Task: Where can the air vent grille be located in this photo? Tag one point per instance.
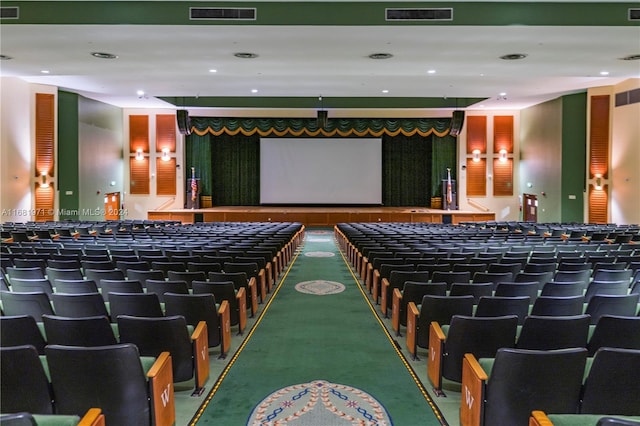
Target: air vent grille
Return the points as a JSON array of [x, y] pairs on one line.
[[629, 97], [222, 13], [634, 14], [440, 14], [9, 12]]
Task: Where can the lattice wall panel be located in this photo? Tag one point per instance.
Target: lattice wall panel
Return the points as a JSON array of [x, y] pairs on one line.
[[44, 196], [166, 132], [503, 177], [139, 133], [599, 136], [139, 176], [598, 204], [166, 177], [477, 178], [45, 131], [477, 133], [503, 133]]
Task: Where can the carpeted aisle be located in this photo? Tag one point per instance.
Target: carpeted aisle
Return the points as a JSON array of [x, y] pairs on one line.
[[319, 360]]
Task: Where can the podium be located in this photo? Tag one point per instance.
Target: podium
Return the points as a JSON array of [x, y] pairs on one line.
[[192, 194], [453, 205]]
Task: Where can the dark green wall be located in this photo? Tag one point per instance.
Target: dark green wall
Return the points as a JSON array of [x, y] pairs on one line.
[[68, 143], [574, 156]]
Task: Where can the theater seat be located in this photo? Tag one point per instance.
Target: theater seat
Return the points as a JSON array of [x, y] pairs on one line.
[[24, 385]]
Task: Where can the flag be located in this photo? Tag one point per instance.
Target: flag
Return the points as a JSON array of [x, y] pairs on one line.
[[449, 189], [194, 189]]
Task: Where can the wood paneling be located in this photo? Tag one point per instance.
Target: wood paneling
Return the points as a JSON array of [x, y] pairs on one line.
[[138, 133], [139, 176], [477, 178], [44, 196], [503, 177], [166, 177], [598, 204], [45, 130], [477, 133], [166, 132], [599, 136], [503, 133]]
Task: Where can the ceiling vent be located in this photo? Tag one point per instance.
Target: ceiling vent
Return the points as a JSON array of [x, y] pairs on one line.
[[440, 14], [223, 13], [9, 12], [634, 14]]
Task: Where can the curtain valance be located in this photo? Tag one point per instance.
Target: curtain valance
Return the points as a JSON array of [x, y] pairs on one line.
[[308, 127]]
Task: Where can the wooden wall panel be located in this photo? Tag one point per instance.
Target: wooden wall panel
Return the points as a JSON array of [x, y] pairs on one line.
[[477, 178], [477, 133], [45, 130], [45, 196], [166, 177], [166, 132], [138, 133], [139, 176], [503, 133], [599, 136], [598, 204], [503, 177]]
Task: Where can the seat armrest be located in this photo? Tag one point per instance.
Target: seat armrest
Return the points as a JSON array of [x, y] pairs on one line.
[[395, 310], [434, 361], [375, 285], [93, 417], [200, 341], [254, 295], [383, 296], [268, 270], [368, 280], [539, 418], [161, 391], [262, 277], [241, 297], [474, 381], [412, 327], [225, 327]]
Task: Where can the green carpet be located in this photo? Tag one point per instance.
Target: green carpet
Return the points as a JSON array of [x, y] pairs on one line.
[[302, 338]]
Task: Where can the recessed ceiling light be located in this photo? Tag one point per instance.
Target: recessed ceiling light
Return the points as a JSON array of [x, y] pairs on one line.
[[503, 93], [213, 71], [431, 72], [44, 71], [245, 55], [385, 91], [513, 56], [140, 93], [254, 90], [5, 58], [631, 58], [604, 72], [380, 56], [104, 55]]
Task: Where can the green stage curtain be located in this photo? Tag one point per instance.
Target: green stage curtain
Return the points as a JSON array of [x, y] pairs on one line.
[[444, 154], [406, 171], [198, 156], [235, 171]]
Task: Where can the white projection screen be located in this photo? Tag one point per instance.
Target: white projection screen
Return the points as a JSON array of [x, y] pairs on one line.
[[327, 171]]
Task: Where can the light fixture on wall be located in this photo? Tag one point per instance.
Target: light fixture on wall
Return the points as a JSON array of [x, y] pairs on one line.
[[475, 155], [43, 180], [598, 181], [165, 154], [502, 155], [139, 154]]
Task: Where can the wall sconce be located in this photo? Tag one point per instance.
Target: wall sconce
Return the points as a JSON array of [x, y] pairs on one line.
[[165, 154], [502, 155], [598, 181], [43, 180], [475, 155], [139, 154]]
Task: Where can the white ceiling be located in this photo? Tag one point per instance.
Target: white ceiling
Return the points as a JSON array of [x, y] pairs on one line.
[[328, 61]]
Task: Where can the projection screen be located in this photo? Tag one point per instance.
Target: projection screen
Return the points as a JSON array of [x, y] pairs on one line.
[[327, 171]]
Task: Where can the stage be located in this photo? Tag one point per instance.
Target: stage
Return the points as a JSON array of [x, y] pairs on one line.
[[320, 216]]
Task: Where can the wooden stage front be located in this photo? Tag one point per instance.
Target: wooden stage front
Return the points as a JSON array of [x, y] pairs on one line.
[[319, 216]]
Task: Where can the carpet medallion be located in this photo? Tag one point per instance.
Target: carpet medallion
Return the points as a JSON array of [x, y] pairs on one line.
[[319, 403], [320, 287], [319, 254]]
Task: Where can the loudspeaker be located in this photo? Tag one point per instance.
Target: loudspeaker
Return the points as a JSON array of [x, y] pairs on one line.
[[323, 117], [184, 122], [456, 123]]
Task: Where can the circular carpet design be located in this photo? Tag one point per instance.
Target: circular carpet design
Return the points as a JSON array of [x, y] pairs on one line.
[[320, 287], [319, 239], [319, 254], [319, 403]]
